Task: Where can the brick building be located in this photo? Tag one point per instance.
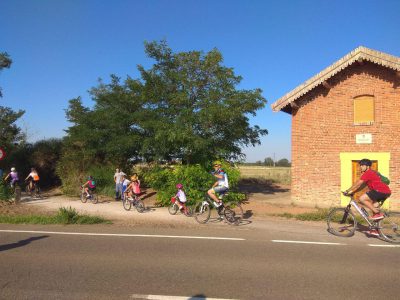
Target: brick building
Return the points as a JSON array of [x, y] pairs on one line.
[[349, 111]]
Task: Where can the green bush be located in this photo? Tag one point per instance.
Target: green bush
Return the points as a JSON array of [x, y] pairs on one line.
[[196, 180], [73, 178], [5, 191]]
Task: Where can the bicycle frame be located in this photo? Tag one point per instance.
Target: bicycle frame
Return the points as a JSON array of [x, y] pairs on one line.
[[354, 204]]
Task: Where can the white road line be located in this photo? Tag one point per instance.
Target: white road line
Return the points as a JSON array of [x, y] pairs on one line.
[[162, 297], [304, 242], [387, 246], [126, 235]]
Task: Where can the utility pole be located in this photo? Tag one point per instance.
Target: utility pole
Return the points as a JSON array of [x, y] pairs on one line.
[[274, 159]]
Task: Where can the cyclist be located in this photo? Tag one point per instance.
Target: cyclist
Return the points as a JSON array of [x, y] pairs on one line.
[[14, 177], [33, 179], [221, 186], [134, 186], [89, 186], [180, 197], [378, 191]]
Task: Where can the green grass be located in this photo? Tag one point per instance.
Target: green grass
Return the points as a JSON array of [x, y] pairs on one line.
[[63, 216], [319, 215]]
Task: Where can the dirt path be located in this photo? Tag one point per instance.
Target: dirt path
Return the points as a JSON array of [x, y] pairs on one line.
[[263, 201]]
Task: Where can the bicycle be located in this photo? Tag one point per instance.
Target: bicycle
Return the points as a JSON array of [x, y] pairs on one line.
[[128, 201], [202, 211], [342, 222], [33, 190], [92, 196], [173, 208]]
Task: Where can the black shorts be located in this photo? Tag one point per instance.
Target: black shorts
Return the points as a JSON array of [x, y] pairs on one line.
[[377, 196]]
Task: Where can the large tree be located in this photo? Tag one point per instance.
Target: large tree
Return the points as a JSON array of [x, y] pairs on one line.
[[197, 112], [187, 105]]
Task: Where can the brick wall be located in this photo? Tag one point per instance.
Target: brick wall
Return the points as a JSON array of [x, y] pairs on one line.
[[323, 127]]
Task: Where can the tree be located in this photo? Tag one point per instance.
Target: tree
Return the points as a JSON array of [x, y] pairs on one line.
[[185, 106], [5, 62], [283, 163], [111, 131], [196, 111], [269, 162], [10, 133]]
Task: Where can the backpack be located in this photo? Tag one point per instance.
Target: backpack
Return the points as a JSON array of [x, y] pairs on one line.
[[383, 178]]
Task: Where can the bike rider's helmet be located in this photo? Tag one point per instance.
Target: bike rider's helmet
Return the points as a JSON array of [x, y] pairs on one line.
[[365, 162], [90, 178], [216, 163], [12, 169], [179, 186]]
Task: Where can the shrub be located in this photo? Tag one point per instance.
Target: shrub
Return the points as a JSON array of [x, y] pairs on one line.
[[5, 191], [196, 180]]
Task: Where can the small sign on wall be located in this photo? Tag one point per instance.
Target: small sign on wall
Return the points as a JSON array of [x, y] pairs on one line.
[[364, 138]]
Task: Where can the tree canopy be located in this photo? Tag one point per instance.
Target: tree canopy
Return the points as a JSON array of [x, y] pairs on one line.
[[186, 106]]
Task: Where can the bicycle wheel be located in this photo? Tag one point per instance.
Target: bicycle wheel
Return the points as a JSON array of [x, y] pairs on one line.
[[173, 209], [37, 192], [202, 212], [94, 198], [83, 197], [140, 206], [126, 203], [389, 227], [341, 222], [230, 216], [189, 211]]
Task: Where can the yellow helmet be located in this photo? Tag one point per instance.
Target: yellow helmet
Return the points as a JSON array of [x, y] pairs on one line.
[[216, 163]]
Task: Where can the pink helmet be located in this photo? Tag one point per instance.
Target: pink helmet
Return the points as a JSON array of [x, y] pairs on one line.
[[179, 186]]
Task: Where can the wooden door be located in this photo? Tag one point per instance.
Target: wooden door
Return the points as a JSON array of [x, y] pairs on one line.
[[356, 173]]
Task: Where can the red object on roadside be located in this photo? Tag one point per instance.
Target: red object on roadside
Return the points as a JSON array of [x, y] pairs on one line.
[[2, 153]]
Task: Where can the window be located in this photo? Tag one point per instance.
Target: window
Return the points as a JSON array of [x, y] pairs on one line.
[[364, 110]]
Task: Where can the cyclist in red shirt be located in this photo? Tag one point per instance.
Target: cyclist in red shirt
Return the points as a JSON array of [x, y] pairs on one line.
[[378, 191]]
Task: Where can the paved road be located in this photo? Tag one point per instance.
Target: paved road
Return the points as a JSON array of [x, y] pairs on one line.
[[263, 262]]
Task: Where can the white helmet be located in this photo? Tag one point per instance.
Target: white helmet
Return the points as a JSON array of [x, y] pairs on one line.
[[12, 169]]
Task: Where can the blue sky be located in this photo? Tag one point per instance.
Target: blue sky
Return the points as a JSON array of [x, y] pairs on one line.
[[60, 48]]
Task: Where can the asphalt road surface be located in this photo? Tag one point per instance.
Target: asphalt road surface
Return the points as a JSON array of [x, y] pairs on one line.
[[273, 259]]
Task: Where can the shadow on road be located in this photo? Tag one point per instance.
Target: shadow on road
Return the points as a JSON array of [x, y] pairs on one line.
[[198, 297], [21, 243], [248, 214]]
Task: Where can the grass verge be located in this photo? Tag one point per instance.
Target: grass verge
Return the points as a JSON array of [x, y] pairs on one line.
[[63, 216], [319, 215]]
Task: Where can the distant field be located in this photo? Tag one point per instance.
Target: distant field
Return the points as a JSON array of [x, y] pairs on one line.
[[277, 174]]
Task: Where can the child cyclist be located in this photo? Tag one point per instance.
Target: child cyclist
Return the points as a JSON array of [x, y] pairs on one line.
[[89, 186], [134, 186], [180, 198], [125, 184]]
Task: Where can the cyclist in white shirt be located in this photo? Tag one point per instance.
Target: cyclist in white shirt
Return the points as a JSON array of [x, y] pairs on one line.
[[221, 185]]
